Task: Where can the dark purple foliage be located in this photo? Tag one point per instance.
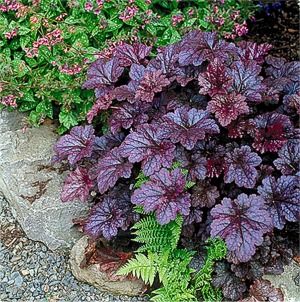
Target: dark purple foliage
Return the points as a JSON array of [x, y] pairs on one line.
[[110, 168], [228, 107], [114, 212], [148, 145], [283, 197], [240, 167], [241, 223], [289, 158], [271, 132], [189, 126], [77, 185], [164, 195], [76, 145], [205, 112]]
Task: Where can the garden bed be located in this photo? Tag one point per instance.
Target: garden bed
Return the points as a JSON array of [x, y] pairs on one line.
[[180, 155]]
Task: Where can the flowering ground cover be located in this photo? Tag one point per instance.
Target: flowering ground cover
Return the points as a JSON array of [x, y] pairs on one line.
[[190, 151]]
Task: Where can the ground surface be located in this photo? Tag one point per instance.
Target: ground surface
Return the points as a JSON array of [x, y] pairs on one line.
[[31, 272], [280, 28]]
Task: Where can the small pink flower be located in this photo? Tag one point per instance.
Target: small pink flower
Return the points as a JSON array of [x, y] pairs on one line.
[[241, 29], [177, 19], [9, 100], [34, 19], [10, 34], [129, 13], [88, 6]]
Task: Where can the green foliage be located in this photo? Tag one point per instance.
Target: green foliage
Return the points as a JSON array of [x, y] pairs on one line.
[[45, 79], [159, 257], [216, 250], [140, 179]]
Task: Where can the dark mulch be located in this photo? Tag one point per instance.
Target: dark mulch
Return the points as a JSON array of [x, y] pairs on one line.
[[280, 28]]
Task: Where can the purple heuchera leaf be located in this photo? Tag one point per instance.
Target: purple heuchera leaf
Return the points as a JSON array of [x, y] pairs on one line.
[[128, 54], [246, 80], [228, 107], [197, 169], [76, 145], [215, 80], [102, 103], [103, 72], [197, 46], [164, 194], [189, 126], [195, 216], [128, 115], [204, 194], [111, 167], [241, 223], [271, 132], [149, 146], [151, 83], [77, 186], [289, 158], [107, 217], [283, 198], [240, 167], [252, 51]]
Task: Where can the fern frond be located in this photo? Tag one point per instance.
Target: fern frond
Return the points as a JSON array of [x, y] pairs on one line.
[[140, 180], [156, 237], [141, 267]]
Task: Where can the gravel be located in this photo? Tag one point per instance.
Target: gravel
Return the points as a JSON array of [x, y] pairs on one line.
[[31, 272]]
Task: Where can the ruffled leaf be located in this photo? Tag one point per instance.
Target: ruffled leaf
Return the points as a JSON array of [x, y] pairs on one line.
[[76, 145], [283, 198], [241, 222], [110, 168], [164, 194], [240, 167], [228, 107], [77, 186], [149, 146], [189, 126]]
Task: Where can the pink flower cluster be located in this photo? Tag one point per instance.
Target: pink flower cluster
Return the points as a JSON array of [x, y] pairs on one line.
[[9, 5], [10, 34], [177, 19], [241, 29], [129, 13], [70, 70], [89, 6], [50, 39], [9, 100]]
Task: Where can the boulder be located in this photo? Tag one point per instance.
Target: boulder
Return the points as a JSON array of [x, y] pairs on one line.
[[288, 282], [32, 185], [99, 279]]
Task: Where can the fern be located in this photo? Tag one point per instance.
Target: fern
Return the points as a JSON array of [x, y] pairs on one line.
[[142, 266], [140, 180], [216, 250], [156, 237], [169, 264]]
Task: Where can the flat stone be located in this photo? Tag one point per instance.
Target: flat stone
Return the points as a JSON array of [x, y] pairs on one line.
[[100, 280], [32, 185], [287, 282]]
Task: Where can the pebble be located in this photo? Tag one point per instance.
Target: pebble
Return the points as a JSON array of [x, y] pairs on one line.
[[31, 272]]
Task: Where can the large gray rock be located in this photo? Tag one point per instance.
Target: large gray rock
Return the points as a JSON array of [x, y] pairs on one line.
[[32, 186], [288, 282], [95, 277]]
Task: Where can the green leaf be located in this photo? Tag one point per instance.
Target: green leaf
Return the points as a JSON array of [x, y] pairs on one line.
[[19, 67], [141, 4], [112, 26], [45, 108], [68, 119], [45, 53], [24, 41], [22, 30]]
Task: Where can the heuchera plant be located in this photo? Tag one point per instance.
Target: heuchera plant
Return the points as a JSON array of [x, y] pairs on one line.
[[206, 112], [46, 45]]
